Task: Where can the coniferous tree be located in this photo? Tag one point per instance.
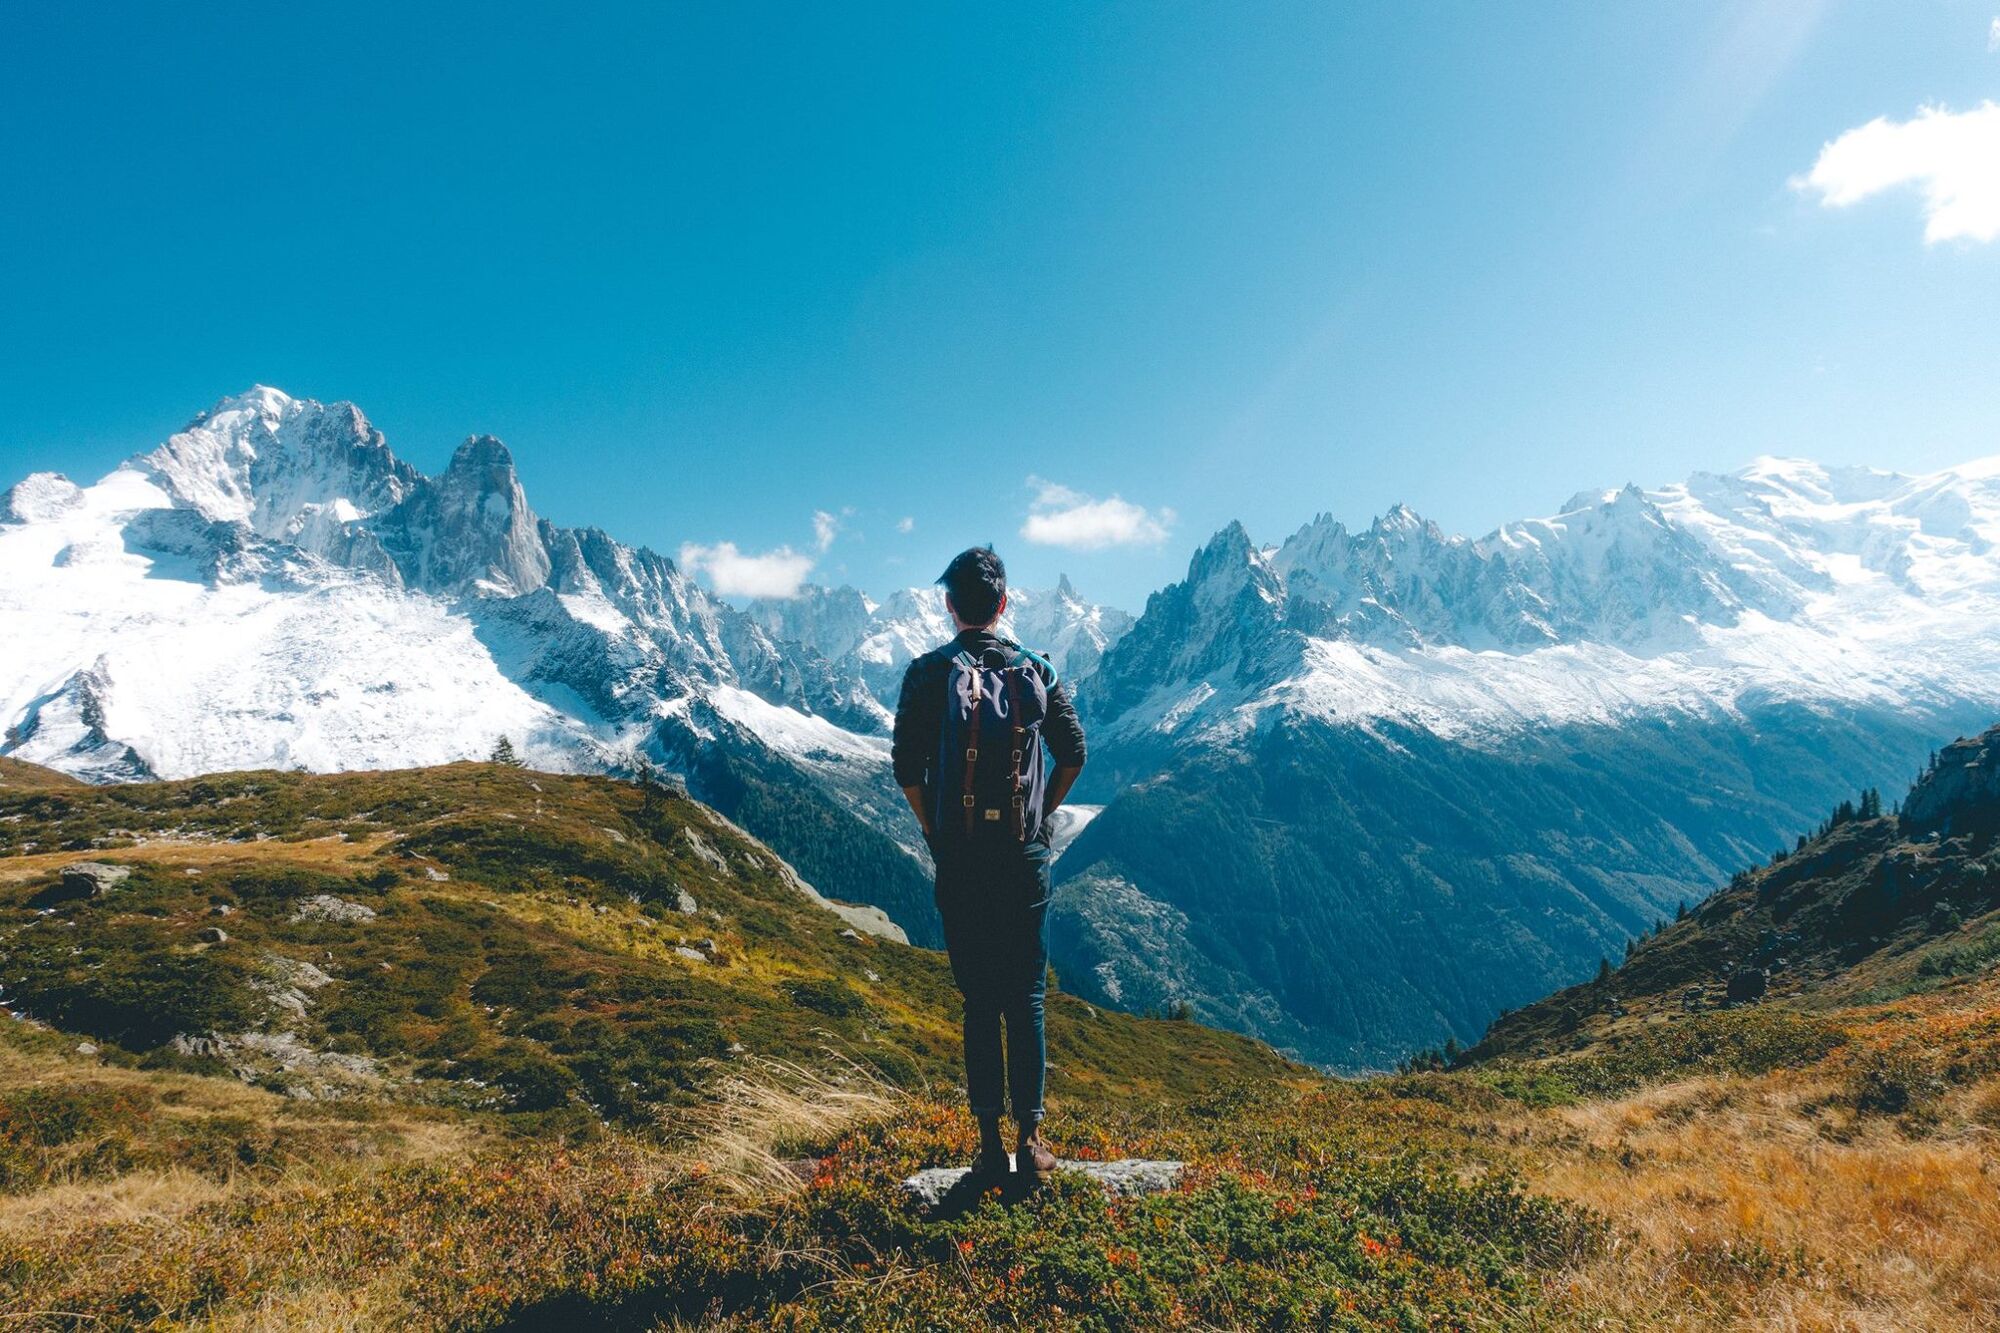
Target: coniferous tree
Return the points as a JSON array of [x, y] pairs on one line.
[[503, 753], [649, 787], [1603, 969]]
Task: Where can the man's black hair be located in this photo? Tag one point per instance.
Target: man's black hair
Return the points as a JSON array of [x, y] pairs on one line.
[[976, 581]]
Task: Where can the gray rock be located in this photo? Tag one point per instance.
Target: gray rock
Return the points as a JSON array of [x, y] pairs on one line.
[[212, 935], [1128, 1178], [692, 955], [92, 879], [221, 909], [326, 907], [288, 983], [684, 903], [1749, 983]]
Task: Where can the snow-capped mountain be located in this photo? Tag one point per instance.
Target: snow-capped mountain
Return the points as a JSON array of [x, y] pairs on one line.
[[1784, 580], [1366, 789], [877, 640], [273, 587]]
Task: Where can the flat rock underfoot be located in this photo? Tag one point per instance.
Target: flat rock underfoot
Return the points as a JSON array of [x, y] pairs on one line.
[[1127, 1178]]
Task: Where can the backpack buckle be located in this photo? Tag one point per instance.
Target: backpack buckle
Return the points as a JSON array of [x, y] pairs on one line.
[[968, 800], [971, 756]]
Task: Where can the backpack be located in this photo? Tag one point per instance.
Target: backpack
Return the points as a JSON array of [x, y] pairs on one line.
[[990, 772]]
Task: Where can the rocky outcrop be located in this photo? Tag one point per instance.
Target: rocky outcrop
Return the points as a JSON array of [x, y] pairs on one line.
[[1961, 792]]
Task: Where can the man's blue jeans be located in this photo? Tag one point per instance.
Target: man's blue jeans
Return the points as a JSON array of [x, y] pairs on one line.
[[994, 902]]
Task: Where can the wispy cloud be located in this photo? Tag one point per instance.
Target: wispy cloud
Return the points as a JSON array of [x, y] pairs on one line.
[[1060, 516], [1993, 36], [906, 524], [825, 528], [733, 574], [1952, 157]]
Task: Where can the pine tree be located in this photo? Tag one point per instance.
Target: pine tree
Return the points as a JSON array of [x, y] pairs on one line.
[[649, 787], [503, 753], [1603, 969]]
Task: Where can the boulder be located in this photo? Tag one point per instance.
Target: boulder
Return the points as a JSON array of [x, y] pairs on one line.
[[1748, 983], [212, 935], [1127, 1178], [92, 879], [326, 907]]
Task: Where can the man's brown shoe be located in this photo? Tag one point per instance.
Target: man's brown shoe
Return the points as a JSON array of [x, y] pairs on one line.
[[1034, 1157]]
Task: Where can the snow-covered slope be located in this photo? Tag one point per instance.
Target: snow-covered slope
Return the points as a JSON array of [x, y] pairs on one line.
[[1783, 581]]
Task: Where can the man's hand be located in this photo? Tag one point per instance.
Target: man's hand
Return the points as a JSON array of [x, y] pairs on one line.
[[919, 807], [1059, 784]]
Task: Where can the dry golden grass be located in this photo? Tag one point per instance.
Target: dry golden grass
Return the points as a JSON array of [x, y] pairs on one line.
[[1758, 1204], [334, 852], [739, 1139]]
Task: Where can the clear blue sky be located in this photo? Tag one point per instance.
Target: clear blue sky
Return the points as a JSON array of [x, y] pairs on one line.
[[710, 269]]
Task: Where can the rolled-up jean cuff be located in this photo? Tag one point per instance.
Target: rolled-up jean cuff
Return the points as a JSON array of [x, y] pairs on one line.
[[1034, 1117]]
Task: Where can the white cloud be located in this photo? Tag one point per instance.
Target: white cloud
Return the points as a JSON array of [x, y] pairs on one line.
[[733, 574], [906, 525], [1993, 36], [1954, 157], [825, 528], [1060, 516]]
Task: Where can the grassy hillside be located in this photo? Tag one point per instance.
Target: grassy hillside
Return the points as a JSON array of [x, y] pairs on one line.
[[512, 1102], [479, 937], [19, 776]]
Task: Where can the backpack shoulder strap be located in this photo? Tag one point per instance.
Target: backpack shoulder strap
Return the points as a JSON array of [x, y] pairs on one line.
[[1030, 656]]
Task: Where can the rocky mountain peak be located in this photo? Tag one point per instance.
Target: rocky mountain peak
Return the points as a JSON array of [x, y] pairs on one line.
[[470, 531], [292, 469]]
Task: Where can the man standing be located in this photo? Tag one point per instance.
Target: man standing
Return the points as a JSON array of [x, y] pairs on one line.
[[970, 725]]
